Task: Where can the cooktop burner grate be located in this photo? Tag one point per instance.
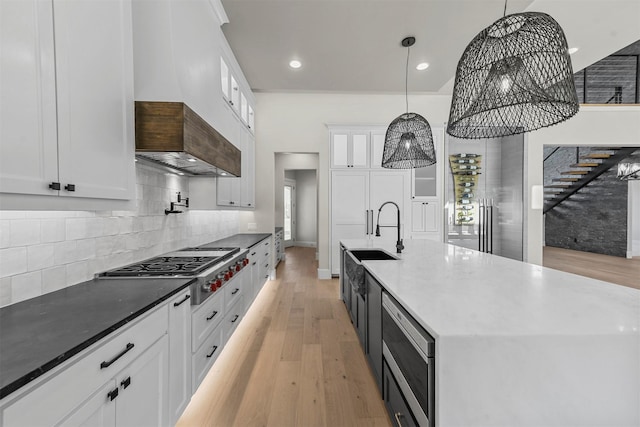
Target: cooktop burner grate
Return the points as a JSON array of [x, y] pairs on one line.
[[166, 266]]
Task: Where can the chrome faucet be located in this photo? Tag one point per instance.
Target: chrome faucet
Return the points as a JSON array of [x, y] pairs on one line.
[[399, 245]]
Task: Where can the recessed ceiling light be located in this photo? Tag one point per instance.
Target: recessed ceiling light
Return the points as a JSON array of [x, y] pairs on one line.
[[422, 66], [573, 50], [295, 64], [191, 160], [223, 174]]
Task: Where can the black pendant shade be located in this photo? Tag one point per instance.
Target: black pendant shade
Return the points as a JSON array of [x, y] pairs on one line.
[[408, 143], [514, 77]]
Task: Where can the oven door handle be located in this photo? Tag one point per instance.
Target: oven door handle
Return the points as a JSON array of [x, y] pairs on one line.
[[412, 334]]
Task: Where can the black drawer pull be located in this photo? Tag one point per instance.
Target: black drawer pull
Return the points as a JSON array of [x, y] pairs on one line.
[[70, 187], [126, 382], [398, 415], [54, 186], [106, 364], [266, 254], [212, 315], [112, 394], [254, 263], [253, 253], [186, 297], [215, 347], [266, 244], [235, 318], [235, 291]]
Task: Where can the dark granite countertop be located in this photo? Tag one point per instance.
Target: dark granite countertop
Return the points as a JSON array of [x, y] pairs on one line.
[[40, 333], [244, 240]]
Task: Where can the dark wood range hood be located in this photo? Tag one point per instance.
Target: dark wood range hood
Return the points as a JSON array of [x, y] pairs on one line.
[[173, 135]]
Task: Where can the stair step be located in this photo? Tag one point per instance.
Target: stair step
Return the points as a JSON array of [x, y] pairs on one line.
[[585, 165], [596, 156], [566, 179], [574, 172]]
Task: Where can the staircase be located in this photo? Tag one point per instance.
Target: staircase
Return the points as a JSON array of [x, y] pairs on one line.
[[589, 167]]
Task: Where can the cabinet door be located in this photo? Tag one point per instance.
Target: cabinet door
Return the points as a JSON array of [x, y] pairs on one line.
[[99, 410], [179, 354], [248, 195], [425, 218], [251, 118], [28, 130], [94, 71], [228, 191], [359, 150], [224, 80], [374, 327], [390, 186], [235, 94], [349, 210], [377, 149], [339, 150], [144, 394]]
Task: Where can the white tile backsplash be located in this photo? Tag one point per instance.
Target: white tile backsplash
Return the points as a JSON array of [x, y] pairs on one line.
[[44, 251]]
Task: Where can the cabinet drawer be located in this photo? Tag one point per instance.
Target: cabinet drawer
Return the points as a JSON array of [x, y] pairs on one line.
[[234, 289], [264, 249], [233, 318], [206, 355], [205, 318], [85, 373], [397, 407]]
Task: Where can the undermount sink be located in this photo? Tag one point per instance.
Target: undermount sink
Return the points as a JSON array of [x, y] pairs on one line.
[[371, 255]]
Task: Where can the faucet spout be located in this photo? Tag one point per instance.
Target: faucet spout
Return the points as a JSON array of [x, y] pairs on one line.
[[399, 245]]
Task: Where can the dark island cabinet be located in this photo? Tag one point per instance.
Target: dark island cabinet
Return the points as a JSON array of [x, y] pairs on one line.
[[374, 327]]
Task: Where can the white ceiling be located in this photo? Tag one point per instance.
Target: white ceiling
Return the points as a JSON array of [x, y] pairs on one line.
[[354, 45]]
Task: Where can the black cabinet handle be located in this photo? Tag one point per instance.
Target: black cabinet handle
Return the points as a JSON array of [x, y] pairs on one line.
[[398, 415], [54, 186], [253, 253], [106, 364], [235, 291], [212, 315], [215, 347], [186, 297], [254, 263], [126, 382], [70, 187], [266, 244], [235, 318], [112, 394]]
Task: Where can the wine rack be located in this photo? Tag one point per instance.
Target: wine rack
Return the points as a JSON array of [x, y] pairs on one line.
[[465, 168]]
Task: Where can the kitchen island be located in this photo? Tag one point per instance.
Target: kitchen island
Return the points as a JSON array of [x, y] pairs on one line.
[[517, 344]]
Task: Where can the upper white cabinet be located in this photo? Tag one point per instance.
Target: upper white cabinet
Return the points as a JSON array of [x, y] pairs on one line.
[[240, 192], [349, 149], [67, 102], [236, 96]]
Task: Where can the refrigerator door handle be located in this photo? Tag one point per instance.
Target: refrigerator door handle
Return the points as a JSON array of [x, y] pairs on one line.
[[366, 214], [371, 221]]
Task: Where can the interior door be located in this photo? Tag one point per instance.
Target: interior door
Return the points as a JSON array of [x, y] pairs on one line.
[[289, 212]]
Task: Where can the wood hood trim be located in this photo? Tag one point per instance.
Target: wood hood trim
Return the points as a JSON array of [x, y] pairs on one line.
[[173, 127]]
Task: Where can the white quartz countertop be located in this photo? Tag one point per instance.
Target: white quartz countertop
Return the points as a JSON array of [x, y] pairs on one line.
[[518, 344], [452, 290]]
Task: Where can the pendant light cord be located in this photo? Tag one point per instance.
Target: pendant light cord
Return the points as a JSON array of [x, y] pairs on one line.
[[406, 81], [505, 9]]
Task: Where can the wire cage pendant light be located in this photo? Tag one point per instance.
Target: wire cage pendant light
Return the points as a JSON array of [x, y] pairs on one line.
[[514, 77], [408, 142]]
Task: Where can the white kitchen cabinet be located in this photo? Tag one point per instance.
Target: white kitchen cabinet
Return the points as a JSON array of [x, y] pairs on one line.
[[179, 354], [356, 197], [349, 149], [377, 148], [240, 192], [71, 392], [68, 114], [425, 220]]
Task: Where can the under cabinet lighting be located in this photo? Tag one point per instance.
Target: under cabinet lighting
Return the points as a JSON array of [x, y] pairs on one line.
[[191, 160]]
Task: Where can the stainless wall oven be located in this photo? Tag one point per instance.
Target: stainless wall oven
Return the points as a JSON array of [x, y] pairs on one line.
[[409, 355]]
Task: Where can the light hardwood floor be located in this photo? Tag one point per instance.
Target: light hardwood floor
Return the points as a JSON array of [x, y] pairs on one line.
[[622, 271], [294, 360]]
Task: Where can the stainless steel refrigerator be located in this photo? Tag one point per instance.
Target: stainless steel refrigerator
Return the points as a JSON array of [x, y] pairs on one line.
[[484, 190]]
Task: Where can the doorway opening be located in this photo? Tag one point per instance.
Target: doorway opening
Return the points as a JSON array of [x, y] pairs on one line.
[[289, 212]]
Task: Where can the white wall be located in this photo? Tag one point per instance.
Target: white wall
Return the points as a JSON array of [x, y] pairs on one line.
[[593, 125], [43, 251], [306, 208], [288, 122]]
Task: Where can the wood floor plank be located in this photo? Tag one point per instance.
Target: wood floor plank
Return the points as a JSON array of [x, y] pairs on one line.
[[361, 381], [286, 389], [311, 405]]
